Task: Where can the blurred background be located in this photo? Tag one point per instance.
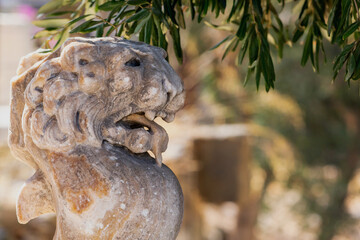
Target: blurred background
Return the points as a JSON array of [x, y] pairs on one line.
[[253, 165]]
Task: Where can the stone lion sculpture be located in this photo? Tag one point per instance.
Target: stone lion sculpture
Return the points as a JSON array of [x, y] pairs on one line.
[[83, 118]]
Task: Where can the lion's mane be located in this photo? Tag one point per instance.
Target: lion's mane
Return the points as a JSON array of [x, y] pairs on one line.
[[63, 98]]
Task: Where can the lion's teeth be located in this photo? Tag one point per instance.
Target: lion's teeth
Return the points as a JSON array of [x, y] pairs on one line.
[[150, 115], [158, 159], [161, 114], [170, 117]]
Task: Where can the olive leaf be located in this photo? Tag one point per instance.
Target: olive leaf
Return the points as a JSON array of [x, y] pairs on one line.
[[255, 29]]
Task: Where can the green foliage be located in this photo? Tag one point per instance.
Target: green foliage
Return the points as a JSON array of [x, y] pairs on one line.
[[255, 27], [151, 20]]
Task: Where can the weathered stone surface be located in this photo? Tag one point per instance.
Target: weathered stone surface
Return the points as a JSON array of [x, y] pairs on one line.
[[82, 117]]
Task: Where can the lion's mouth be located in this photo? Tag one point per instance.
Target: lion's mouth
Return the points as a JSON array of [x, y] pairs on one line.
[[138, 133]]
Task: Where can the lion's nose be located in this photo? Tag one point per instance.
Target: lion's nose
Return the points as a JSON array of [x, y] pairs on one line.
[[176, 103], [175, 95], [170, 89]]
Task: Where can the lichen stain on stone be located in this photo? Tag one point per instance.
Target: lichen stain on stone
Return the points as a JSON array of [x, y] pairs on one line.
[[76, 179], [111, 222], [80, 201]]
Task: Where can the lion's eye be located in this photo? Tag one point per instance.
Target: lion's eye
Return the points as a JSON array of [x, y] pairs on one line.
[[83, 62], [134, 62]]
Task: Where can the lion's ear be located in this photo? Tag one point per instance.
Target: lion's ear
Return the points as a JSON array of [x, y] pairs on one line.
[[74, 54], [160, 50]]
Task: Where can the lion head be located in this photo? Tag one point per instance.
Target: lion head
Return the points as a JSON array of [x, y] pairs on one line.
[[89, 90], [69, 106]]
